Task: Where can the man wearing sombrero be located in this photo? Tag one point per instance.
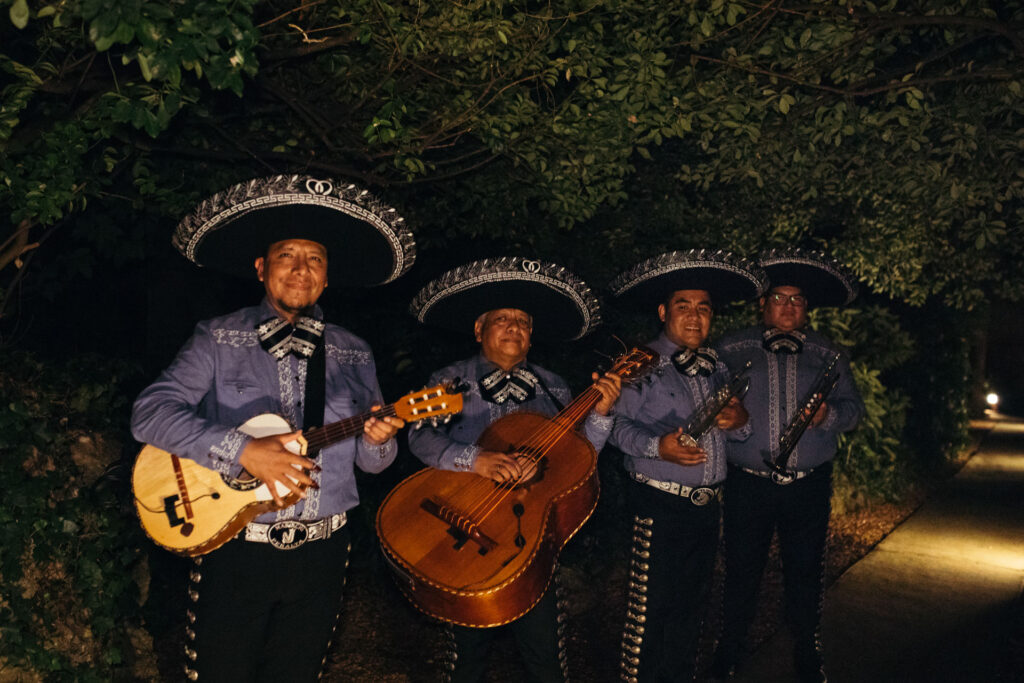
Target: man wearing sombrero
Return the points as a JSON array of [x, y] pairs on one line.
[[263, 606], [786, 359], [505, 302], [675, 481]]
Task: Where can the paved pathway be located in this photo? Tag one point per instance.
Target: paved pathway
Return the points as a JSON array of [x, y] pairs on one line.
[[940, 599]]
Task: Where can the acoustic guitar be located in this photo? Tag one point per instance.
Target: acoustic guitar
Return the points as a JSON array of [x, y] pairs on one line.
[[471, 551], [190, 509]]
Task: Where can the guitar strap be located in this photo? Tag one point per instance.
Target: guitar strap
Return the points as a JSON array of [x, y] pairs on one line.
[[316, 387], [558, 404]]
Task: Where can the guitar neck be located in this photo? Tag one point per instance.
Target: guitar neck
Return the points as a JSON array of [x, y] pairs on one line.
[[318, 438], [573, 414]]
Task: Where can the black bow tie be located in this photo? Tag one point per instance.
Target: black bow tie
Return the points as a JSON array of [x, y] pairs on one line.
[[700, 362], [279, 337], [777, 341], [499, 386]]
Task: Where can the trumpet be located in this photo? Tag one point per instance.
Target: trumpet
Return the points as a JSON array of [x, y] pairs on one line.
[[823, 385], [703, 418]]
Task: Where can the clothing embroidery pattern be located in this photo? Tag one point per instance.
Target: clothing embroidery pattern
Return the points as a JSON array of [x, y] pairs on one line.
[[464, 460], [226, 452], [236, 339], [791, 406], [774, 404], [700, 389], [348, 356]]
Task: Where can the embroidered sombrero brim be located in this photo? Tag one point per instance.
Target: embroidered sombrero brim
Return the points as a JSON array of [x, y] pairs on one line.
[[367, 242], [822, 279], [562, 305], [725, 276]]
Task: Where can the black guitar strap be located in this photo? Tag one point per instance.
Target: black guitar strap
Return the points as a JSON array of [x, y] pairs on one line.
[[558, 404], [316, 387]]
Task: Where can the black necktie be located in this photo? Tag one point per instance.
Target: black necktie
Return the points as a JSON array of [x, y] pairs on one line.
[[691, 363], [499, 386], [777, 341], [279, 337]]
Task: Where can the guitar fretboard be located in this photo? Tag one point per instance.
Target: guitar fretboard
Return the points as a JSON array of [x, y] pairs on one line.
[[321, 437]]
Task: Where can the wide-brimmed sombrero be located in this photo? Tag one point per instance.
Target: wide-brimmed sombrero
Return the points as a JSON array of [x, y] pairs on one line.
[[562, 305], [725, 276], [367, 242], [823, 280]]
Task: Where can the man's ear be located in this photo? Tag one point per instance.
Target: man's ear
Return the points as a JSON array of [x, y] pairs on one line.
[[661, 312], [258, 264], [478, 330]]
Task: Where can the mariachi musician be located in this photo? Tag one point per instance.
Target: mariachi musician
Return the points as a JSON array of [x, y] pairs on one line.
[[263, 607], [675, 478], [787, 358], [504, 302]]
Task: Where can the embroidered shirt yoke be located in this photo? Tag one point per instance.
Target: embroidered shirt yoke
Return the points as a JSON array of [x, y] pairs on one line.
[[649, 410], [453, 446], [778, 384], [223, 377]]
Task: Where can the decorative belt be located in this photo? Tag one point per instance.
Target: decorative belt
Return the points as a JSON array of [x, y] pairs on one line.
[[698, 495], [781, 479], [291, 533]]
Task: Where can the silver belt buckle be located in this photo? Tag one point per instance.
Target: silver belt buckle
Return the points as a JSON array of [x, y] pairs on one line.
[[782, 479], [702, 495], [287, 535]]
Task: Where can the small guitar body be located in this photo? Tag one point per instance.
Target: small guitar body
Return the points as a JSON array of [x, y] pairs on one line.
[[492, 571], [217, 507], [190, 509]]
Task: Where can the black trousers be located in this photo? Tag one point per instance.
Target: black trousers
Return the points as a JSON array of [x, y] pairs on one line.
[[755, 508], [537, 633], [674, 546], [261, 614]]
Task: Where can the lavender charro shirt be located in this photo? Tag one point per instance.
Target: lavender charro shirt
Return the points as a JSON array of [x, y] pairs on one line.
[[453, 446], [222, 377], [779, 383], [662, 403]]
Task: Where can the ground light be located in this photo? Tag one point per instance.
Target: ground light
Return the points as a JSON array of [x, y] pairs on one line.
[[992, 399]]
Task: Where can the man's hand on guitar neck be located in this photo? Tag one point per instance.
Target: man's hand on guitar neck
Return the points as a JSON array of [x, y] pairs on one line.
[[610, 386], [380, 430], [268, 460]]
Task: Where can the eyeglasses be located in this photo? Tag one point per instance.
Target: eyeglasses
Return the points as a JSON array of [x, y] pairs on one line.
[[797, 300]]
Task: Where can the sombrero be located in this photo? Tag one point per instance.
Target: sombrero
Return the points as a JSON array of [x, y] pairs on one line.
[[823, 280], [367, 242], [725, 276], [562, 305]]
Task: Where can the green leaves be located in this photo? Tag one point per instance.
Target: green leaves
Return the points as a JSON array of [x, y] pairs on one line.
[[66, 592], [18, 13]]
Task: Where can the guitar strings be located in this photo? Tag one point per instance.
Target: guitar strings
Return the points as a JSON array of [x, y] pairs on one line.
[[542, 440], [546, 438], [318, 437]]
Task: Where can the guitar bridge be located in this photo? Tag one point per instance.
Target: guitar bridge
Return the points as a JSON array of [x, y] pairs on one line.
[[459, 526]]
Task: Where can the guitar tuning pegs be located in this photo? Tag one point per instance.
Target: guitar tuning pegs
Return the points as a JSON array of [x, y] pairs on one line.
[[447, 418], [419, 425]]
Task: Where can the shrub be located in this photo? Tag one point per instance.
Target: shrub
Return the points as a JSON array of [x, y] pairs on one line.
[[72, 575]]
